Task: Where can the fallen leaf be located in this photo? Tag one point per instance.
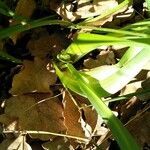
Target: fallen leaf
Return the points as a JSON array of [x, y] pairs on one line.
[[72, 116], [90, 117], [33, 77], [46, 116], [129, 109]]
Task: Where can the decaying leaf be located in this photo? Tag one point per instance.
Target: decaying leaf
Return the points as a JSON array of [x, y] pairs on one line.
[[33, 77], [58, 143], [72, 116], [45, 44], [46, 116], [129, 108], [90, 117]]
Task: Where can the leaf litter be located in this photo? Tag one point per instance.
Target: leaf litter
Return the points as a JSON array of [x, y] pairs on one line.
[[34, 104]]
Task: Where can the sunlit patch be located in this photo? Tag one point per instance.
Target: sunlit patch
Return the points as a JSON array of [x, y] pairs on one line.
[[23, 22]]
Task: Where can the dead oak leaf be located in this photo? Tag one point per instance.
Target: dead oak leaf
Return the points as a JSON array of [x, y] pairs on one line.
[[72, 116], [46, 116], [90, 117], [33, 77]]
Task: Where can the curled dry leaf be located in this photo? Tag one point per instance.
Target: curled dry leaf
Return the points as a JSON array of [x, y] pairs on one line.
[[47, 116], [33, 77]]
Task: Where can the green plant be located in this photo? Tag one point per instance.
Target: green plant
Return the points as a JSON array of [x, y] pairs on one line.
[[90, 83]]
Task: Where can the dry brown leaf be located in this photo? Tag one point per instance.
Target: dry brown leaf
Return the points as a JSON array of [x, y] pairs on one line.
[[46, 44], [72, 116], [104, 58], [129, 109], [33, 77], [59, 143], [46, 116], [90, 117]]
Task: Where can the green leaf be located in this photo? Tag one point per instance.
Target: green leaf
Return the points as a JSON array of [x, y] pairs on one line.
[[4, 9], [73, 84], [148, 4], [86, 42], [30, 25], [5, 56], [120, 76]]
